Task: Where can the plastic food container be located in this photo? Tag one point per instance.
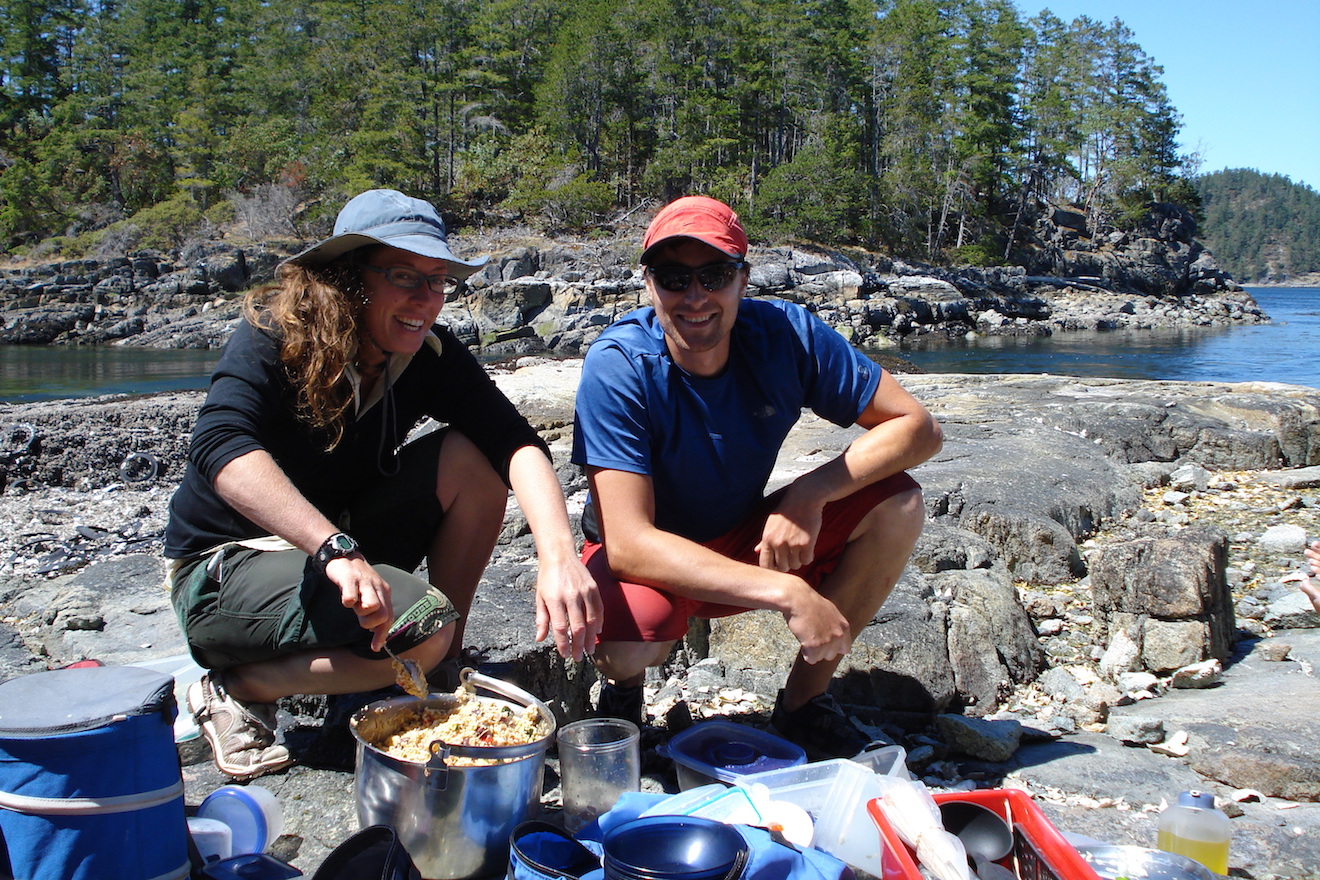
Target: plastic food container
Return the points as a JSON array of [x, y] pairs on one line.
[[251, 866], [184, 671], [884, 761], [214, 839], [252, 813], [715, 801], [835, 794], [722, 751], [1040, 850]]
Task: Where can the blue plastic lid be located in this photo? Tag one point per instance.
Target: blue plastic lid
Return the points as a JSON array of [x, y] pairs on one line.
[[728, 751]]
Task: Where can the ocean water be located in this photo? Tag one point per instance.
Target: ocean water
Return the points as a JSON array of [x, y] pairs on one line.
[[54, 372], [1280, 351]]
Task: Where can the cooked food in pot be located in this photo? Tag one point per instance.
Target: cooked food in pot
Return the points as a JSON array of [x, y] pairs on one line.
[[470, 721]]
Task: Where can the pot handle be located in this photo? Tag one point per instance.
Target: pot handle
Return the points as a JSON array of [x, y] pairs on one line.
[[471, 680], [436, 772]]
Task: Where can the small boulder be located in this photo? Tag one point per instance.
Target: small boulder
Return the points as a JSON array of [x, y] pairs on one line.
[[1283, 539], [1198, 675], [987, 740]]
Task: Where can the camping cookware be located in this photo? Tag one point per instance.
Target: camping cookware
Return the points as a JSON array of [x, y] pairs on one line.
[[454, 821]]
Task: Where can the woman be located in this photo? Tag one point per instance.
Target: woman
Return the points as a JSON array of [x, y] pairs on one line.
[[303, 513]]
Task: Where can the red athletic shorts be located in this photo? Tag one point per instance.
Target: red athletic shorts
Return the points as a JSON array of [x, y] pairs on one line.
[[639, 613]]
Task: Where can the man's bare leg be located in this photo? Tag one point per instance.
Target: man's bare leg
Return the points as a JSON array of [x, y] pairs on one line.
[[877, 552]]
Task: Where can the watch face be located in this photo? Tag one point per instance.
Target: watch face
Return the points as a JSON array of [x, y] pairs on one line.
[[343, 542]]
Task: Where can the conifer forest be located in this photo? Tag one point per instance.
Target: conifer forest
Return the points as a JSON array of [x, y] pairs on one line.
[[931, 129]]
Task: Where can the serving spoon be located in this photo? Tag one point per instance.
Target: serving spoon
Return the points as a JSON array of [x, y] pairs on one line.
[[409, 675]]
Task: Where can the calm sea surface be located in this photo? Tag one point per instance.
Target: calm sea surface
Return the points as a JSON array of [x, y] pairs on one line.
[[1280, 351]]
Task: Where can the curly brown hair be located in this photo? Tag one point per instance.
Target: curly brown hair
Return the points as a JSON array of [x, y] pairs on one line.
[[314, 311]]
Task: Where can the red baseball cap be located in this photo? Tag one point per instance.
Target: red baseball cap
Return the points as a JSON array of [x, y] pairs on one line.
[[701, 217]]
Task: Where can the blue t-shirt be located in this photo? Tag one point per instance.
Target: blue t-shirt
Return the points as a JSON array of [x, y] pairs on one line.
[[709, 444]]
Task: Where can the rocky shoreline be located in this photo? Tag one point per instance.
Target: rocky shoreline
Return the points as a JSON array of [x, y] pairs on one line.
[[1098, 611], [539, 295]]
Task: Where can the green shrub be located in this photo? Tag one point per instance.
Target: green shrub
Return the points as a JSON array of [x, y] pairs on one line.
[[580, 203], [973, 255], [168, 224]]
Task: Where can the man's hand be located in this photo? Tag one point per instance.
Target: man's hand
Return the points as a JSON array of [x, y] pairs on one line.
[[363, 589], [818, 626], [787, 544], [568, 604], [788, 540]]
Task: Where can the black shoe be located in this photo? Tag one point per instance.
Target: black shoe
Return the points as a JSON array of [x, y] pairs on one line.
[[627, 703], [820, 727]]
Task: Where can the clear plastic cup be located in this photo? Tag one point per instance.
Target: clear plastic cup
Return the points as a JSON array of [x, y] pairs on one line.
[[599, 759]]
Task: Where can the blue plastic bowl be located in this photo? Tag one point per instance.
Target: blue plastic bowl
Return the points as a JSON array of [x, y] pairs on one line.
[[671, 848]]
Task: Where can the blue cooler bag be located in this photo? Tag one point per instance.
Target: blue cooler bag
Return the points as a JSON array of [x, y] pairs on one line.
[[90, 782]]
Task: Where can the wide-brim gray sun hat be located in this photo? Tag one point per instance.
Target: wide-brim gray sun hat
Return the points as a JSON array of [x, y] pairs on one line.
[[388, 217]]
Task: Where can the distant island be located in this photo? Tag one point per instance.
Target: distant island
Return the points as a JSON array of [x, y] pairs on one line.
[[1262, 228]]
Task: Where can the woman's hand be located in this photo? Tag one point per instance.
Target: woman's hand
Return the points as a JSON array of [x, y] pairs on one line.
[[362, 589], [568, 601], [1310, 586], [568, 604], [255, 486]]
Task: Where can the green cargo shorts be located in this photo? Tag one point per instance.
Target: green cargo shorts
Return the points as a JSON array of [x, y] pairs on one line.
[[242, 605]]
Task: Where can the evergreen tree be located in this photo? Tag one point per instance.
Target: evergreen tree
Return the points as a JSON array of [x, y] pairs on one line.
[[37, 38], [929, 127], [915, 81]]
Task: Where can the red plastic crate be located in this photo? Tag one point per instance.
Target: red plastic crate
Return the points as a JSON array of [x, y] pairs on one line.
[[1040, 852]]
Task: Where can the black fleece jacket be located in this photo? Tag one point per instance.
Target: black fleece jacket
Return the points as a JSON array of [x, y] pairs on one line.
[[250, 406]]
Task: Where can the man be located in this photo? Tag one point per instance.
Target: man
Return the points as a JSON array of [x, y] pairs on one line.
[[681, 412]]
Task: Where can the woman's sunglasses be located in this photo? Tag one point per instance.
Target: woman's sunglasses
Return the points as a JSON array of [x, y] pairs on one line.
[[676, 278]]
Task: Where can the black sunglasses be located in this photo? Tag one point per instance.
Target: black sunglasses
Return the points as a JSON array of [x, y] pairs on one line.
[[410, 279], [676, 278]]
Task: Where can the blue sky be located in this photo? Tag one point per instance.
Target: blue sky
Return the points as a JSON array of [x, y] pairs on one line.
[[1244, 75]]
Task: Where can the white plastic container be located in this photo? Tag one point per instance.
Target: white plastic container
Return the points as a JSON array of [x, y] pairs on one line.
[[185, 671], [715, 801], [1196, 828], [884, 761], [213, 838], [835, 793], [252, 813]]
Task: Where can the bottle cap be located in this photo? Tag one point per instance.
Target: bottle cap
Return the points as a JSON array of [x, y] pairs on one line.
[[1201, 800]]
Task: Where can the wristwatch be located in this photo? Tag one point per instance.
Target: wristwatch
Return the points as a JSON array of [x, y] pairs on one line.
[[337, 546]]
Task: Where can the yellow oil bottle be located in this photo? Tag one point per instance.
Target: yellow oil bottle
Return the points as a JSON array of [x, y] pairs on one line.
[[1196, 828]]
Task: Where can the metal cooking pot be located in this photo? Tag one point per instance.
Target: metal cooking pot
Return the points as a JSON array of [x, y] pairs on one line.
[[455, 822]]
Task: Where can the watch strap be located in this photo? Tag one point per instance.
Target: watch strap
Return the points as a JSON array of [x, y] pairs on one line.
[[337, 546]]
